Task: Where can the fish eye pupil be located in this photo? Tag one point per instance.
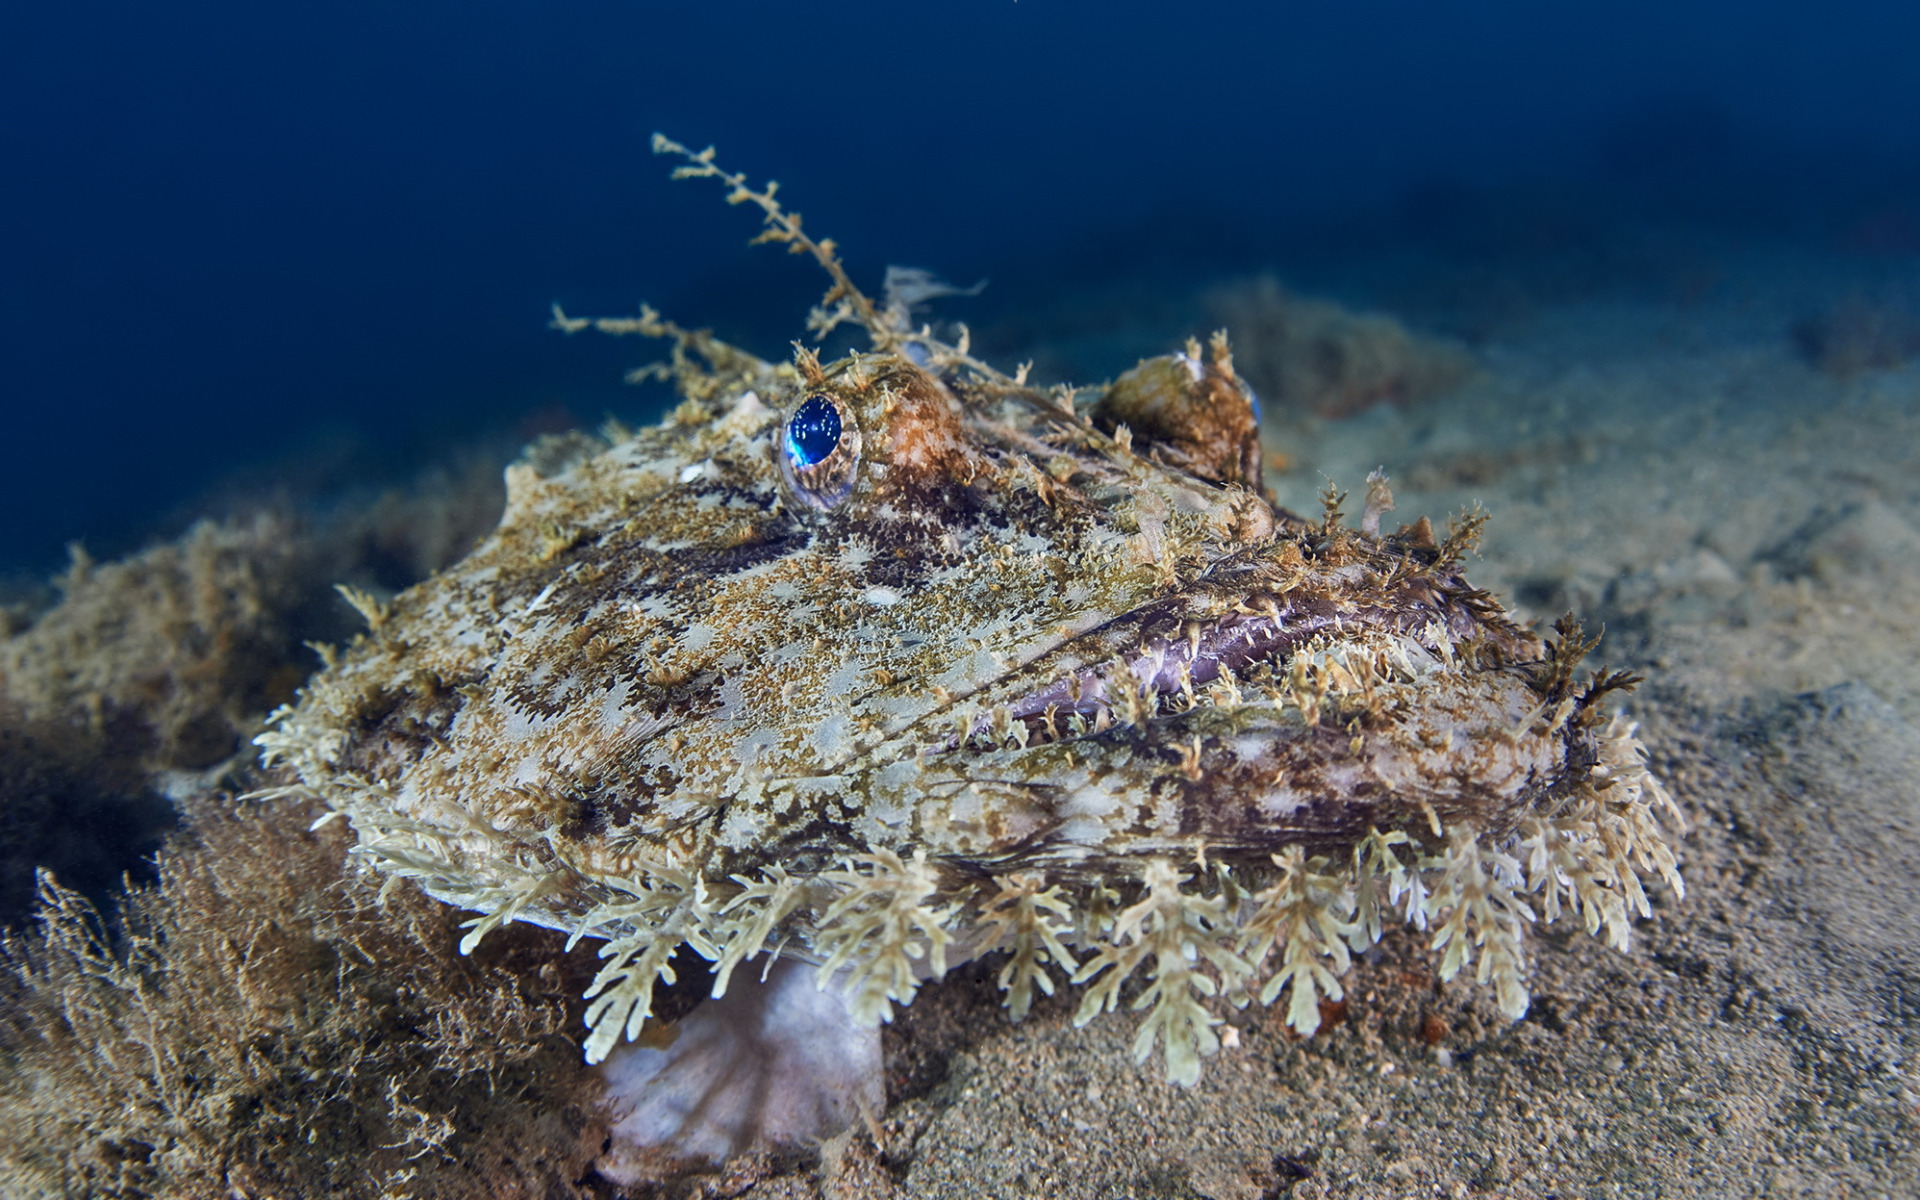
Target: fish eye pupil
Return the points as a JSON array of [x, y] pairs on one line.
[[813, 432]]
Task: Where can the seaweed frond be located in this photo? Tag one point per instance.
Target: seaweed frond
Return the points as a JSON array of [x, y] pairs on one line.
[[1030, 918], [259, 1024], [1379, 502], [1565, 861], [513, 880], [1174, 930], [372, 609], [742, 927], [1375, 863], [1553, 675], [727, 368], [1332, 499], [1463, 536], [1305, 916], [1481, 892], [879, 928], [1593, 853], [844, 301], [659, 913], [1623, 763]]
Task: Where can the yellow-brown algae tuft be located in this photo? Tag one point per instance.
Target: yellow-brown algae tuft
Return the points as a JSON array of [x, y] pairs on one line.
[[897, 660]]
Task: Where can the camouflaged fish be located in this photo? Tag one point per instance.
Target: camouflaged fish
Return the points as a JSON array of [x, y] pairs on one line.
[[891, 661]]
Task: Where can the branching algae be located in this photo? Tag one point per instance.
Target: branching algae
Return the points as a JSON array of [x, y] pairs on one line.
[[898, 660]]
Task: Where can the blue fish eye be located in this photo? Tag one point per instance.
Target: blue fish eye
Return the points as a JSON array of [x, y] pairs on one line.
[[813, 432], [818, 452]]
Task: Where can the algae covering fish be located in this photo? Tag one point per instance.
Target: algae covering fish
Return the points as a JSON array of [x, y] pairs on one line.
[[882, 663]]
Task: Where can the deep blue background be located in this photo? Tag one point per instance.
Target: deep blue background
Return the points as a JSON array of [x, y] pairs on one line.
[[232, 232]]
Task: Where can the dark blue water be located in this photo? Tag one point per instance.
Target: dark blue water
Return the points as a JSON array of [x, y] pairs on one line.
[[312, 242]]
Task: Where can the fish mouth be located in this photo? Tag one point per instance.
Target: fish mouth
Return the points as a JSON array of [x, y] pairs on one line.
[[1202, 654], [1170, 653]]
